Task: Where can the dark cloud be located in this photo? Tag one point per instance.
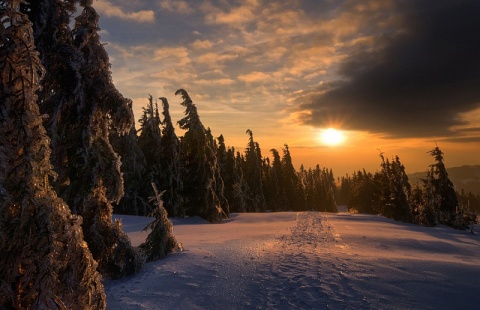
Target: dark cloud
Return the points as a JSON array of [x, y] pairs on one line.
[[414, 82]]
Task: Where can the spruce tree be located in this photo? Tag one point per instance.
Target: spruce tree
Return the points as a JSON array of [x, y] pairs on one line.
[[395, 190], [199, 166], [447, 207], [150, 140], [170, 179], [253, 175], [45, 262], [295, 197], [160, 241], [278, 181], [231, 176], [135, 200], [84, 107]]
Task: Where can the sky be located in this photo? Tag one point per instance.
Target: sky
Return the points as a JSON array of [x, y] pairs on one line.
[[393, 76]]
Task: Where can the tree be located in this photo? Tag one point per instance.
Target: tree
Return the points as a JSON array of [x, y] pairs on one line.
[[170, 179], [160, 241], [198, 166], [84, 108], [253, 175], [134, 165], [295, 196], [396, 190], [45, 261], [277, 183], [150, 140], [447, 207]]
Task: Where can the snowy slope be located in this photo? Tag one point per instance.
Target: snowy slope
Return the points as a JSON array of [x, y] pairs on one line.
[[305, 261]]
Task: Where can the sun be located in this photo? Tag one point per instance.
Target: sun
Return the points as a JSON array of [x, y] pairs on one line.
[[332, 136]]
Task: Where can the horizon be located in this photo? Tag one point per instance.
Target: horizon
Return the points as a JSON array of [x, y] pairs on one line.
[[393, 78]]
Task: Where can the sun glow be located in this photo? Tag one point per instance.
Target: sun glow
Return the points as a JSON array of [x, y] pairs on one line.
[[332, 136]]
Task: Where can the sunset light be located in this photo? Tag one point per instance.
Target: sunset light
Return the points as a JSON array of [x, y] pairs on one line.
[[277, 78], [332, 137], [230, 154]]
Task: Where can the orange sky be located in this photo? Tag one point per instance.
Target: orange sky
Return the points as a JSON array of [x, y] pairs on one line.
[[394, 77]]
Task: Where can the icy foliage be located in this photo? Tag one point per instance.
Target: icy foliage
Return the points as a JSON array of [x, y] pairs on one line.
[[253, 175], [134, 169], [84, 107], [170, 180], [160, 241], [199, 167], [45, 263]]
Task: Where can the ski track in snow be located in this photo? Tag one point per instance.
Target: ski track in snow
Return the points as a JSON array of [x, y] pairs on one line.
[[306, 260]]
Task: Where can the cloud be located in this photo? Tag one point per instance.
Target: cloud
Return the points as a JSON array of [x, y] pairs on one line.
[[214, 82], [254, 77], [235, 16], [199, 44], [175, 6], [178, 56], [106, 8], [415, 80]]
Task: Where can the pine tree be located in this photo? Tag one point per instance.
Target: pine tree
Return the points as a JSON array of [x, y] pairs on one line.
[[198, 166], [160, 241], [45, 262]]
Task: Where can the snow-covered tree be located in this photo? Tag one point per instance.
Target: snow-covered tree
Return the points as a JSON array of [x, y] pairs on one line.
[[447, 207], [295, 196], [45, 263], [150, 139], [276, 186], [160, 241], [198, 166], [134, 201], [84, 107], [170, 179], [396, 190], [253, 175]]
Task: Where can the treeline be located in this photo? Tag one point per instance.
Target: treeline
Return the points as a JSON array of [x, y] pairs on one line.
[[201, 176], [388, 192]]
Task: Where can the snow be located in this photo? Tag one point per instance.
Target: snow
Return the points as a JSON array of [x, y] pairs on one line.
[[306, 260]]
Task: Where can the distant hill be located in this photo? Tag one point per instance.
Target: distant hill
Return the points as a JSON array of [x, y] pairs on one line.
[[466, 177]]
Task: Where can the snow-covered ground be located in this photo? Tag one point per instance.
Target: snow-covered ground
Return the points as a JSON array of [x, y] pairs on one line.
[[305, 260]]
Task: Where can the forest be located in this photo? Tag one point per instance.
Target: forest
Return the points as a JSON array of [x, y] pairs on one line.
[[70, 156]]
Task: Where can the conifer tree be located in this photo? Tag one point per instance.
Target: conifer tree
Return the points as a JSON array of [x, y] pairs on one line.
[[45, 263], [198, 166], [150, 140], [170, 179], [396, 190], [232, 176], [277, 183], [160, 241], [253, 175], [447, 207], [240, 186], [134, 201], [294, 193], [84, 107]]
